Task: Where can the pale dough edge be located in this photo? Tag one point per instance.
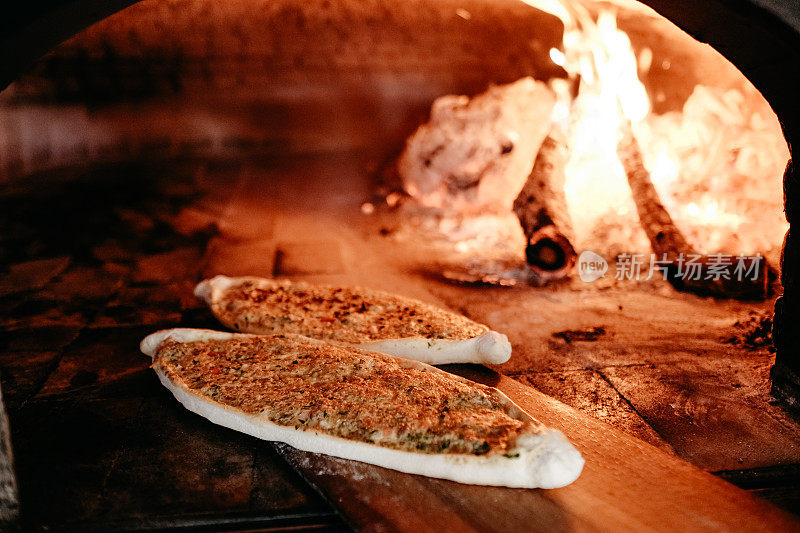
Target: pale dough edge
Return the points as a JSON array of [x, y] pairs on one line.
[[546, 459]]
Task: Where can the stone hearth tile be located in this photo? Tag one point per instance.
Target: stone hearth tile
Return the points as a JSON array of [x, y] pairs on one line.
[[136, 222], [639, 327], [145, 459], [184, 291], [82, 283], [134, 306], [715, 413], [99, 361], [251, 258], [31, 275], [176, 464], [63, 452], [192, 221], [207, 467], [27, 356], [177, 265], [22, 373], [587, 391], [305, 258], [113, 250], [37, 339], [123, 315], [36, 312]]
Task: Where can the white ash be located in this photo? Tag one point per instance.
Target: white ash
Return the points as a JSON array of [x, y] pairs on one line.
[[474, 154]]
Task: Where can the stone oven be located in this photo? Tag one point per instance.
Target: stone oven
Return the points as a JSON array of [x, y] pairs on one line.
[[607, 182]]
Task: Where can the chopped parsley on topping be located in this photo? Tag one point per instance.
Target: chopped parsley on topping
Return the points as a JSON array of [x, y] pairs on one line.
[[349, 393], [341, 314]]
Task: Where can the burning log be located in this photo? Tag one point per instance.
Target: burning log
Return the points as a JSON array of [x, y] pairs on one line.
[[682, 265], [542, 211], [666, 239]]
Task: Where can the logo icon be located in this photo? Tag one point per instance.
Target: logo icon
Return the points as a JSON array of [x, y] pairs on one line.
[[591, 266]]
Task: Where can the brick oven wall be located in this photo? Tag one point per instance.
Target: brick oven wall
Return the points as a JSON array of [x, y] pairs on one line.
[[191, 77], [194, 77]]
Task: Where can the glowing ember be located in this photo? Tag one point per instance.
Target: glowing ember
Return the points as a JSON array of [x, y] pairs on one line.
[[717, 165]]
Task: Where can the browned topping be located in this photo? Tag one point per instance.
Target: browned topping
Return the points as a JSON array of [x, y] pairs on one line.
[[339, 314], [349, 393]]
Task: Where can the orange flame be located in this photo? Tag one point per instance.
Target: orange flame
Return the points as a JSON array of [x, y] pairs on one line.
[[717, 164]]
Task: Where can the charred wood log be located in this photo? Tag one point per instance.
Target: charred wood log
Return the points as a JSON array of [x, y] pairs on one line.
[[686, 269], [542, 211], [665, 238], [742, 278]]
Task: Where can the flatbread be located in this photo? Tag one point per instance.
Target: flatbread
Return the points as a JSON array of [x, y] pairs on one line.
[[373, 320], [365, 406]]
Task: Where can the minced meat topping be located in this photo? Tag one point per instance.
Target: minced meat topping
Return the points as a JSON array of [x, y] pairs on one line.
[[346, 392], [337, 314]]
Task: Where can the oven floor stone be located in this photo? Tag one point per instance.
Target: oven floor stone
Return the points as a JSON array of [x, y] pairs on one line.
[[659, 364]]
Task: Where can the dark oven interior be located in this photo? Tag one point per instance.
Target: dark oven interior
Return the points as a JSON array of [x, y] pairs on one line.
[[176, 140]]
